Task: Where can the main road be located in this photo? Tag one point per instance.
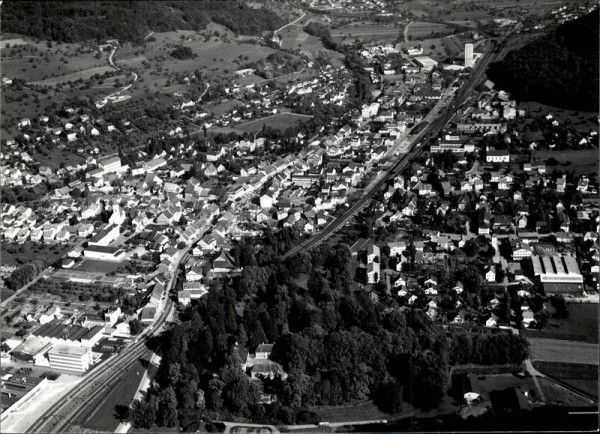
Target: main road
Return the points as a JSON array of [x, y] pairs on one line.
[[430, 131]]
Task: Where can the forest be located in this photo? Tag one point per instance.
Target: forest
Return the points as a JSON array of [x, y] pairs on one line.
[[337, 344], [558, 69], [71, 21]]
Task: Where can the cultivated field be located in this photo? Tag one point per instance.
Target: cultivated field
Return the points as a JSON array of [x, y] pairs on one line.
[[581, 377], [554, 350], [367, 32]]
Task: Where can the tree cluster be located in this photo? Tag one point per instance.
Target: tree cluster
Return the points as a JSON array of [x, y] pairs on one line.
[[25, 273]]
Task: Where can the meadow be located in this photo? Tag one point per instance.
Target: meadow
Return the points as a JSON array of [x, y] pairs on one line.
[[583, 161], [279, 122]]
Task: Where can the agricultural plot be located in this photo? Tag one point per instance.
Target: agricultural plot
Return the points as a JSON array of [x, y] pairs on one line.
[[581, 377], [366, 32]]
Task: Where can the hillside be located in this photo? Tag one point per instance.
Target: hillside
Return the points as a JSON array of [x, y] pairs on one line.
[[75, 21], [558, 69]]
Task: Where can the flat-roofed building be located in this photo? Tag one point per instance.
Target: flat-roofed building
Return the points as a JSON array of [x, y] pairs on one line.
[[425, 62], [17, 390], [69, 358]]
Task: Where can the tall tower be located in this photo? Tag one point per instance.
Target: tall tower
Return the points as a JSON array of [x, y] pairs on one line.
[[468, 55]]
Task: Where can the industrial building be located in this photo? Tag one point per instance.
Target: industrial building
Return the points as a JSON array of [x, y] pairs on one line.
[[558, 274], [60, 334], [469, 62], [70, 358], [425, 62]]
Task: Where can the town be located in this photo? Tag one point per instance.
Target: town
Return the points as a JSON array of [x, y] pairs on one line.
[[485, 223]]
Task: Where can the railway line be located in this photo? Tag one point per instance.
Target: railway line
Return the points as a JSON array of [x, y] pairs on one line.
[[416, 151], [81, 401]]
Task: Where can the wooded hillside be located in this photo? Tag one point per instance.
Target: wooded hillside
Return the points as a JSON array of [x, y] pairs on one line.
[[71, 21], [559, 69]]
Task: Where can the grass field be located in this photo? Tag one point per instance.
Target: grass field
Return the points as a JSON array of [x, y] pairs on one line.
[[581, 377], [582, 325], [582, 161], [555, 350]]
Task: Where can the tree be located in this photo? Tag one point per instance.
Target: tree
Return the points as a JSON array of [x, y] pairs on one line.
[[389, 397], [560, 305], [143, 414], [135, 326], [430, 379], [167, 414]]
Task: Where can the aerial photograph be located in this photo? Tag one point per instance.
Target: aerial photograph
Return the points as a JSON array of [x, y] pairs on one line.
[[299, 216]]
